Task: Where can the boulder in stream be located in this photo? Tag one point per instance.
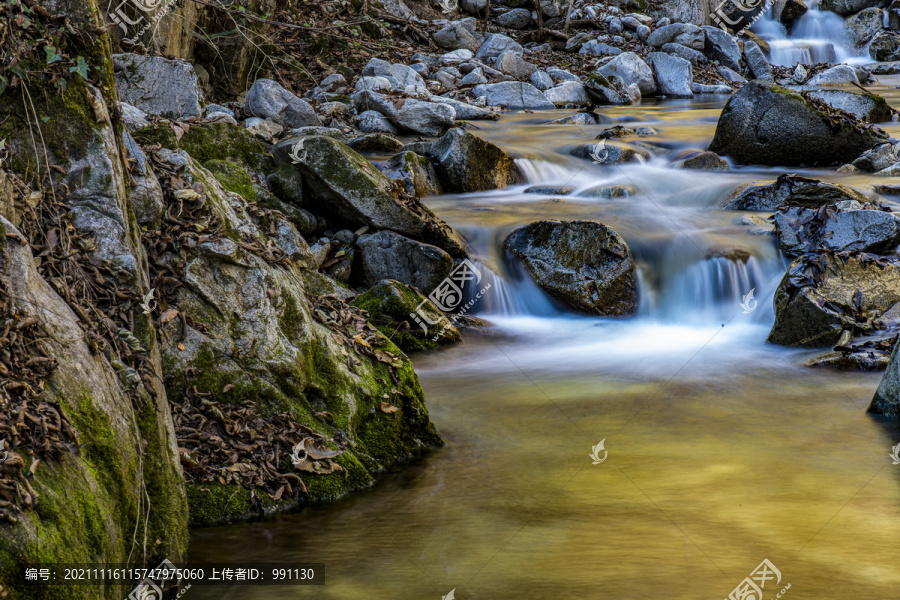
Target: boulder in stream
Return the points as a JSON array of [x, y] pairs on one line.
[[769, 196], [466, 163], [836, 228], [887, 397], [583, 264], [388, 255]]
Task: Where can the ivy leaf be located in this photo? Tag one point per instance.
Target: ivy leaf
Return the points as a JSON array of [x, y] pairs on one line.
[[52, 55], [80, 67]]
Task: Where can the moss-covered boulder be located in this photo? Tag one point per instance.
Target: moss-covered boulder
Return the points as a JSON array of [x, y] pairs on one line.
[[351, 192], [770, 125], [789, 189], [416, 172], [583, 264], [466, 163], [212, 141], [406, 317], [232, 177]]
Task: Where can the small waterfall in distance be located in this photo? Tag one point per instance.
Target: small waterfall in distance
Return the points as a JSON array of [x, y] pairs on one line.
[[816, 37]]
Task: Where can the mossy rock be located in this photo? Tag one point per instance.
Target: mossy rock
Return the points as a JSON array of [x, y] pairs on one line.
[[213, 141], [394, 309], [232, 177]]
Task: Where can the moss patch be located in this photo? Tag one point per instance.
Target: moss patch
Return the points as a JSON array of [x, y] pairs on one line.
[[232, 177]]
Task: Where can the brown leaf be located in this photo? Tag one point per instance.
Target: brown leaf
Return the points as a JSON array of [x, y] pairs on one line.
[[388, 408], [227, 388], [168, 316]]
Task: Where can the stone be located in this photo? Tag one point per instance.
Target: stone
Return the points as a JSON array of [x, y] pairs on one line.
[[701, 160], [146, 195], [692, 56], [474, 77], [610, 153], [264, 129], [611, 90], [868, 108], [885, 45], [879, 158], [699, 88], [695, 12], [416, 172], [133, 117], [513, 95], [583, 264], [517, 18], [767, 124], [731, 76], [568, 92], [674, 75], [347, 189], [425, 118], [367, 100], [837, 75], [513, 64], [466, 163], [457, 56], [854, 229], [769, 196], [559, 75], [287, 185], [158, 86], [757, 63], [401, 77], [541, 80], [632, 69], [722, 47], [670, 33], [268, 100], [370, 121], [886, 401], [375, 142], [386, 255], [599, 48], [406, 317], [373, 84], [496, 44], [455, 36], [466, 111], [848, 7]]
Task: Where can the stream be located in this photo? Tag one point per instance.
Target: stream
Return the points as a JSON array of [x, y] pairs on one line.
[[722, 450]]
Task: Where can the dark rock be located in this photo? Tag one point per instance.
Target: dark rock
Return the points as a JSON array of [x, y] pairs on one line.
[[386, 255], [809, 193]]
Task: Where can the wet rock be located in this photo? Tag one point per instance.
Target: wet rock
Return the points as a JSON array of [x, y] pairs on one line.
[[517, 18], [674, 75], [863, 26], [887, 397], [767, 124], [416, 171], [722, 47], [792, 9], [466, 111], [268, 100], [375, 142], [802, 191], [821, 296], [870, 108], [632, 69], [608, 192], [456, 36], [700, 159], [885, 45], [831, 228], [582, 118], [347, 189], [583, 264], [386, 255], [878, 158], [699, 88], [496, 44], [610, 153], [394, 309], [425, 118], [569, 92], [513, 95], [158, 86], [837, 75], [757, 63], [611, 90], [466, 163]]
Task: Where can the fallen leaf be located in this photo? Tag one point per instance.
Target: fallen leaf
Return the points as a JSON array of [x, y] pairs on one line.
[[387, 407], [168, 316], [181, 346]]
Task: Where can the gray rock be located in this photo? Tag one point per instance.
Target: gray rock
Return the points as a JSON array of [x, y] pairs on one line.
[[455, 36], [582, 118], [643, 32], [158, 86], [767, 124], [699, 88], [227, 117], [388, 255], [268, 100], [700, 160], [692, 56], [287, 185], [416, 171], [800, 230], [517, 18], [866, 108], [348, 190], [611, 90], [457, 56], [146, 195], [769, 196], [466, 163], [447, 80], [375, 142], [583, 264], [886, 400], [885, 45], [558, 75], [133, 117], [878, 158], [632, 69], [569, 92], [721, 46], [674, 75], [370, 121], [474, 77], [466, 111], [373, 84], [287, 237], [599, 48], [513, 95], [757, 63], [366, 100], [731, 76], [610, 153], [670, 33], [425, 118], [695, 12], [834, 76], [513, 64], [263, 128], [401, 77], [615, 25], [496, 44], [541, 81]]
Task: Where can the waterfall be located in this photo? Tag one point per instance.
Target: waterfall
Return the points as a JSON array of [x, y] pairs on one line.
[[816, 37]]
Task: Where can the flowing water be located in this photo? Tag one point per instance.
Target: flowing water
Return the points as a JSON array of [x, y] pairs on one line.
[[816, 37], [722, 450]]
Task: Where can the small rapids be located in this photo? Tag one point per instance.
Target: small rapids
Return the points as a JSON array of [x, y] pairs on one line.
[[818, 36]]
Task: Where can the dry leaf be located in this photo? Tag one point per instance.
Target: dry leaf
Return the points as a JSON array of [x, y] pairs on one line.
[[387, 407], [168, 316], [181, 346]]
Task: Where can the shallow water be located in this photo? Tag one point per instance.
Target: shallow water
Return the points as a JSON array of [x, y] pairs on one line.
[[722, 450]]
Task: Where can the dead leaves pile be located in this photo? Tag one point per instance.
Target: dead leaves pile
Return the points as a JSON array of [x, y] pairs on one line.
[[234, 444]]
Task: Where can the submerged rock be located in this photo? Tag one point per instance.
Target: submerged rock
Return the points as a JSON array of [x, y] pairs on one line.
[[583, 264], [803, 191], [767, 124]]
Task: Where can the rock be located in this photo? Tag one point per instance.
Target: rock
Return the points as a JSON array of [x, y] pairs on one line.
[[631, 69], [674, 75], [455, 36], [559, 75], [541, 81], [375, 142], [387, 254], [132, 117], [817, 298], [578, 40], [731, 76], [496, 44], [513, 95], [517, 18], [268, 100], [836, 75], [885, 45], [767, 124], [692, 56], [347, 189], [689, 33], [847, 7], [610, 153], [370, 121], [870, 108], [227, 117], [802, 230], [158, 86], [599, 48], [466, 163], [879, 158], [609, 192], [770, 196], [699, 88], [583, 264], [581, 118], [757, 63], [695, 12], [425, 118], [457, 56], [416, 171], [611, 90], [700, 159], [398, 8], [568, 92], [373, 84], [886, 400], [474, 77], [643, 32], [263, 129], [465, 111], [513, 64], [863, 26], [367, 100], [146, 195], [792, 9], [287, 185], [401, 77], [722, 47], [406, 317]]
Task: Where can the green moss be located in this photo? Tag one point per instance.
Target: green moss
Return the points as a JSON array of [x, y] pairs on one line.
[[232, 177]]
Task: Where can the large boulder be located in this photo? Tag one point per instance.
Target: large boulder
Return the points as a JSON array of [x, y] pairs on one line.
[[456, 36], [344, 187], [767, 124], [674, 75], [425, 118], [887, 397], [583, 264], [802, 191], [848, 228], [632, 69], [821, 296], [513, 95], [158, 86], [466, 163], [406, 317], [268, 100], [849, 7], [388, 255], [401, 77], [722, 47]]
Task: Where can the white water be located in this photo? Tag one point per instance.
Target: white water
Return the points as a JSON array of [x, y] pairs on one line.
[[816, 37]]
